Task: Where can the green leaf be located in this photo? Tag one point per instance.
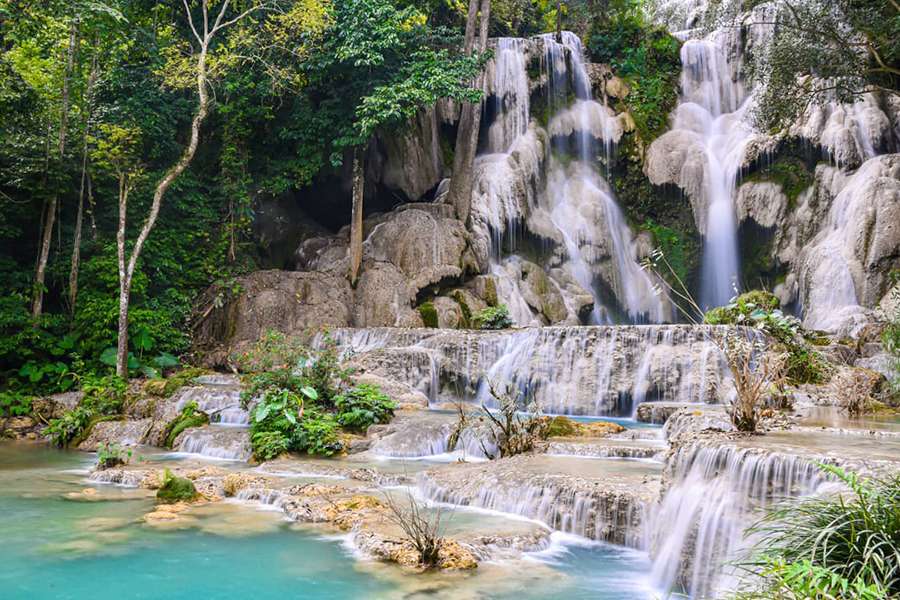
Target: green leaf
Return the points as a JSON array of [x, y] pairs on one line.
[[290, 416], [262, 411], [149, 371], [108, 357], [165, 360], [309, 392]]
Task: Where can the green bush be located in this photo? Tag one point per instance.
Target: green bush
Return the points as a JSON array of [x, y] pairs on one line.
[[176, 489], [103, 400], [269, 444], [362, 406], [854, 537], [15, 404], [294, 368], [317, 434], [112, 455], [803, 579], [761, 310], [282, 421], [493, 317]]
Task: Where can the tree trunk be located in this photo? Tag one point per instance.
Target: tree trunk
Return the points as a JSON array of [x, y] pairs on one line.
[[40, 272], [356, 219], [161, 188], [460, 193], [559, 21], [79, 217], [124, 281]]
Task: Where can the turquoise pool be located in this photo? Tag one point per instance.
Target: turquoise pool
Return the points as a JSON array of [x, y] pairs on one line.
[[60, 542]]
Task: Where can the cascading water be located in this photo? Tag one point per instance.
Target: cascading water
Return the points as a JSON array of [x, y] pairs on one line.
[[582, 206], [712, 109], [715, 495], [569, 202], [570, 370]]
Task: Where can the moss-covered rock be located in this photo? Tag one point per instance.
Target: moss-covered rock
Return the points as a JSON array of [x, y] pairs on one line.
[[429, 314], [562, 427], [174, 489]]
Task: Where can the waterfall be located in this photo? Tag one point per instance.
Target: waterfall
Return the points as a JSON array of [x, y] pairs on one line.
[[581, 203], [715, 494], [508, 86], [712, 109], [520, 184]]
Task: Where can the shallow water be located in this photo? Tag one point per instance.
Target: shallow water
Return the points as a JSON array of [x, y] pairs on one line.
[[60, 541]]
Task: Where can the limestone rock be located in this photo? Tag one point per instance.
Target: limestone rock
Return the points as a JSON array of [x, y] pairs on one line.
[[844, 271], [764, 202], [122, 433], [281, 300]]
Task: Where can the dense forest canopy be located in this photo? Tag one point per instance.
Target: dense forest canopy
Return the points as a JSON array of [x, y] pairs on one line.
[[97, 100]]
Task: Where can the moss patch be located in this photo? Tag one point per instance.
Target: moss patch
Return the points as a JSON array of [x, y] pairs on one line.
[[789, 173], [429, 314], [176, 489]]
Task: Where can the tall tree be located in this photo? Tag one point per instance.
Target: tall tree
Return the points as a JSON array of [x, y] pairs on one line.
[[378, 66], [460, 192], [50, 206], [210, 26]]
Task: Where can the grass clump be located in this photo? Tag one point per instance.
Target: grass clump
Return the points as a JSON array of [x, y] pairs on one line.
[[842, 546]]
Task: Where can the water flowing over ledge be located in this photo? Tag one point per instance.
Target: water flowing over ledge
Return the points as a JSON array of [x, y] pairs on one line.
[[601, 370]]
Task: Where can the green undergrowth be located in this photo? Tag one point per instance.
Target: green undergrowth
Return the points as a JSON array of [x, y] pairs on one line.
[[762, 310], [307, 401], [493, 317], [837, 546], [103, 400], [647, 58]]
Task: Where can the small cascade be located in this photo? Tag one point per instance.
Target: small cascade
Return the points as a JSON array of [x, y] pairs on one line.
[[216, 441], [221, 400], [568, 370], [716, 492], [596, 515]]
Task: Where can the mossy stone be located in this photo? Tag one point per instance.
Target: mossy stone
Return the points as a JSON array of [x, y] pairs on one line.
[[429, 314], [176, 489]]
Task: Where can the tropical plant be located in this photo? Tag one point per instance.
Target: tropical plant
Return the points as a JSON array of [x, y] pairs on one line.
[[362, 406], [493, 317], [111, 455], [849, 541]]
